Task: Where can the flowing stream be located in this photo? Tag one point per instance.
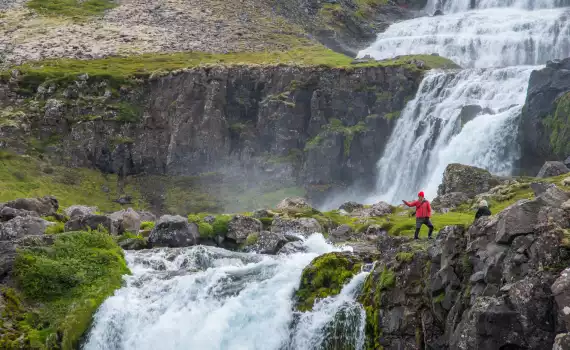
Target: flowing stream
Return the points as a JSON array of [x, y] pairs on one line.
[[209, 298], [467, 116]]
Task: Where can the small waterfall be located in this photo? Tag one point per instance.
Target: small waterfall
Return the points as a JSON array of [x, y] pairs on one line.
[[452, 6], [466, 117], [211, 299]]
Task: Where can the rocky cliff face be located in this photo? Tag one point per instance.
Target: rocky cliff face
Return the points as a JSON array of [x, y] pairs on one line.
[[545, 131], [283, 125]]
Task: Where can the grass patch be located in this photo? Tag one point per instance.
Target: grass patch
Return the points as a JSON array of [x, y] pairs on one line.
[[57, 227], [119, 70], [336, 126], [147, 225], [252, 238], [23, 177], [71, 8], [60, 287], [405, 256], [206, 230], [220, 225]]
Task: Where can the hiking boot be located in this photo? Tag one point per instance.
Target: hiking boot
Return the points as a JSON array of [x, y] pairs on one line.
[[416, 238]]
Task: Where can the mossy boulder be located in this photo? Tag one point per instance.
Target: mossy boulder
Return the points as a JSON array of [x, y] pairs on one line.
[[325, 276], [467, 179]]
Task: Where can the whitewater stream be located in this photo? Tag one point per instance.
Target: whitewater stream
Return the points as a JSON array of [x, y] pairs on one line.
[[207, 298], [468, 116]]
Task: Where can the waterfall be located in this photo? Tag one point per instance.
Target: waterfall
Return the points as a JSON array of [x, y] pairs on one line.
[[467, 116], [209, 298]]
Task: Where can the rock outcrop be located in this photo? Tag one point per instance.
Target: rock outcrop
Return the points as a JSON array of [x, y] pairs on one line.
[[44, 206], [302, 226], [92, 222], [466, 179], [544, 131], [240, 227], [551, 168]]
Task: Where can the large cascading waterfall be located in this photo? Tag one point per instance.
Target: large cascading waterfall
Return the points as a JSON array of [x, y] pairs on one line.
[[466, 116], [212, 299]]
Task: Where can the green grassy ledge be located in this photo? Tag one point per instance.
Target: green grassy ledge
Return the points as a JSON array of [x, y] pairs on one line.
[[58, 289], [119, 69]]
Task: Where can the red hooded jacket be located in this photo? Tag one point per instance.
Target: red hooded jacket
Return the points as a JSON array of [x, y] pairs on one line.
[[423, 208]]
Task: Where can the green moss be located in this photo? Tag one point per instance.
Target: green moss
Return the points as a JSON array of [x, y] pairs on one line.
[[439, 298], [206, 230], [55, 228], [24, 177], [62, 285], [558, 126], [405, 256], [146, 225], [71, 8], [325, 276], [252, 239], [266, 222], [220, 225], [336, 126], [392, 115]]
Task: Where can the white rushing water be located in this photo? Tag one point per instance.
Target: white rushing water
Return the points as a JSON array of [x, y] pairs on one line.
[[211, 299], [465, 116]]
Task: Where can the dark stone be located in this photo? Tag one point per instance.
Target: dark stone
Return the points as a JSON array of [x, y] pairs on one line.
[[518, 219], [241, 226], [173, 231], [8, 213], [133, 244], [124, 200], [561, 291], [551, 168], [341, 233], [267, 243], [44, 206], [350, 206], [22, 226], [92, 222]]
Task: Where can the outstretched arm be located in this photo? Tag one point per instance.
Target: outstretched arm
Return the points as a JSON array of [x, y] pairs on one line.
[[410, 204]]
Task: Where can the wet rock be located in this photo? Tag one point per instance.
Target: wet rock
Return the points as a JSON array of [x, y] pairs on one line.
[[126, 220], [22, 226], [44, 206], [80, 210], [133, 244], [466, 179], [341, 234], [7, 213], [553, 168], [293, 247], [302, 226], [93, 222], [266, 242], [561, 291], [173, 231], [349, 207], [240, 227]]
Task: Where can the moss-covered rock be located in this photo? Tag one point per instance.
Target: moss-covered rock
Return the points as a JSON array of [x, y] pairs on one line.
[[324, 277], [57, 290]]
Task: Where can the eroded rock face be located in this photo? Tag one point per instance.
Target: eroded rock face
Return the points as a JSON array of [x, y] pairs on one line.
[[550, 169], [173, 231], [8, 213], [92, 222], [466, 179], [561, 291]]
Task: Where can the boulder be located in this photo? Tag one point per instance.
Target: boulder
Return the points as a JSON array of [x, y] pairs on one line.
[[518, 219], [450, 200], [466, 179], [22, 226], [553, 168], [303, 226], [377, 209], [7, 256], [553, 196], [80, 210], [341, 234], [292, 247], [294, 204], [561, 291], [265, 242], [44, 206], [261, 213], [562, 342], [240, 227], [92, 222], [566, 181], [126, 220], [8, 213], [349, 207], [173, 231], [539, 187], [567, 162]]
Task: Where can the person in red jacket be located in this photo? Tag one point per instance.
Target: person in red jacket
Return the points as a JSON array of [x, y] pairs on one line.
[[423, 213]]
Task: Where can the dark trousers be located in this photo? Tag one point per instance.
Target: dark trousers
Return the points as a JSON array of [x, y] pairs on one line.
[[420, 222]]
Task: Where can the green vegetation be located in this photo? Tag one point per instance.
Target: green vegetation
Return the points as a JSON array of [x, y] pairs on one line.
[[405, 256], [59, 287], [220, 225], [439, 298], [147, 225], [75, 9], [559, 126], [120, 70], [336, 126], [23, 177], [252, 238], [392, 115], [57, 227], [205, 229], [325, 276], [371, 299]]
